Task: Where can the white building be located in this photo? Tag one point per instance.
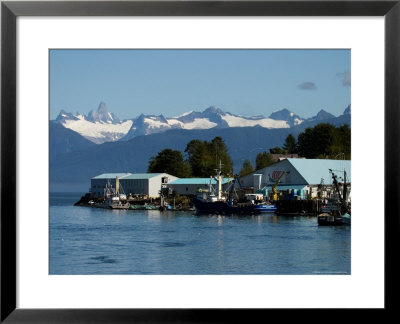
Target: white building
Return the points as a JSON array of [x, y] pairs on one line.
[[148, 184], [301, 177]]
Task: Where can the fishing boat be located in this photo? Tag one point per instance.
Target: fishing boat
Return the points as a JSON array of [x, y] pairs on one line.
[[114, 198], [337, 212], [215, 203], [222, 207]]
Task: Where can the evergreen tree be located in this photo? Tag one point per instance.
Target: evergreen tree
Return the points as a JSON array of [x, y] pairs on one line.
[[342, 142], [220, 153], [169, 161], [277, 150], [305, 143], [247, 168], [323, 139], [204, 157], [290, 145], [199, 158], [263, 160]]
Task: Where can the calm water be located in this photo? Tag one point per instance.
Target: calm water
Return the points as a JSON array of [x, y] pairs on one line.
[[97, 241]]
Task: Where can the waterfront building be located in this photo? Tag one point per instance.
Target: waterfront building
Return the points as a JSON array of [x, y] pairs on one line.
[[190, 186], [298, 178], [143, 184], [98, 183]]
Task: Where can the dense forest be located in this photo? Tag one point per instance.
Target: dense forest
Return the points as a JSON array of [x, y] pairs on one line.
[[324, 141]]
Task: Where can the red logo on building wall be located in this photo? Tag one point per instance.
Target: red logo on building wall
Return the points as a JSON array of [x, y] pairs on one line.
[[276, 174]]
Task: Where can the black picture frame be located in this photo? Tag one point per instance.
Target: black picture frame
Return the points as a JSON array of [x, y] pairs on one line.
[[10, 10]]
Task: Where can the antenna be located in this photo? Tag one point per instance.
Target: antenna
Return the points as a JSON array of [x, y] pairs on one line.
[[220, 165]]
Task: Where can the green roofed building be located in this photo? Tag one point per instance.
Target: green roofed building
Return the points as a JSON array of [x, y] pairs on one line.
[[190, 186], [147, 184]]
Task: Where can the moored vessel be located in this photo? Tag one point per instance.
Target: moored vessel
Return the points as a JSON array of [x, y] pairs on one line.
[[337, 212], [217, 203], [114, 198]]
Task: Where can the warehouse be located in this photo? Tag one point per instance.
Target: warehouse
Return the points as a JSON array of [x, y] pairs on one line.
[[98, 183], [298, 178], [190, 186], [146, 184]]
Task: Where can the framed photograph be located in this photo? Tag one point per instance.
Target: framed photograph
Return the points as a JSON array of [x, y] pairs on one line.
[[226, 81]]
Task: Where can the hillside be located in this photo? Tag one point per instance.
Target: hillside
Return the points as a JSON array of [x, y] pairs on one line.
[[74, 170], [63, 140]]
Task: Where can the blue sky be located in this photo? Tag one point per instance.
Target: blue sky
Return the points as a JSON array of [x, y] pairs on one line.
[[171, 82]]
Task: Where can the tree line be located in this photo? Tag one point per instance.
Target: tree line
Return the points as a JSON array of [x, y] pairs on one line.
[[203, 157], [323, 141]]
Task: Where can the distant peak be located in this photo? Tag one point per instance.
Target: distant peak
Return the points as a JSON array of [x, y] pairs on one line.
[[102, 115], [322, 115], [213, 109], [347, 111], [64, 116], [323, 112], [163, 119], [283, 113], [285, 110], [102, 107], [184, 114]]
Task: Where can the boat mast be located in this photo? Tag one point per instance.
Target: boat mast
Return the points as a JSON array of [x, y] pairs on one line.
[[107, 189], [344, 191], [218, 178], [342, 198], [116, 186], [336, 184]]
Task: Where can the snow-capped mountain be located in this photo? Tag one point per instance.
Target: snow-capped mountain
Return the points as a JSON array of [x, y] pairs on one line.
[[99, 126], [102, 126], [101, 115], [286, 115], [210, 118]]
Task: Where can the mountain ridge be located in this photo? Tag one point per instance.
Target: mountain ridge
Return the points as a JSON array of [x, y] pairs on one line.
[[101, 126]]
